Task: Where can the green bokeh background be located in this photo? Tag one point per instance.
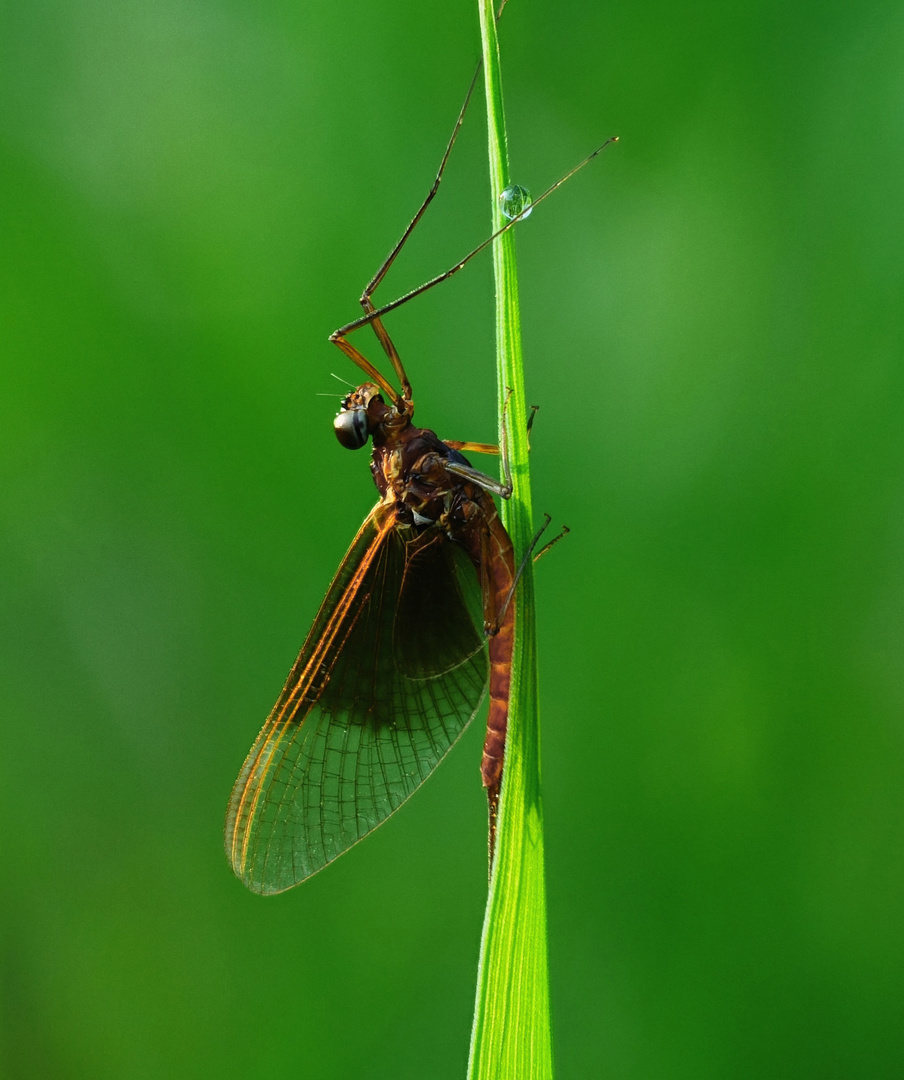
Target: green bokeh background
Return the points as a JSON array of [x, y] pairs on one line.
[[192, 197]]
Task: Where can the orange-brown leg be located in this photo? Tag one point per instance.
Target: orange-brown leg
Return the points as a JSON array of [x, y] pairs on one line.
[[377, 313], [386, 342]]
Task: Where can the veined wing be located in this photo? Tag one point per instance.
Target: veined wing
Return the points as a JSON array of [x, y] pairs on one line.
[[389, 676]]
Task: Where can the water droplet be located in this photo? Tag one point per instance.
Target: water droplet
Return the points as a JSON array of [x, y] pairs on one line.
[[515, 200]]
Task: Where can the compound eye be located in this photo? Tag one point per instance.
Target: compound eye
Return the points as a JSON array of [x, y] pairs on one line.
[[351, 428]]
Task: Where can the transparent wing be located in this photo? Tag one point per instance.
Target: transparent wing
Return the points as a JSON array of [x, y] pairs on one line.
[[391, 673]]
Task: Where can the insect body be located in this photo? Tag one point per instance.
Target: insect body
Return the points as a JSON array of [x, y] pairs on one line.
[[415, 627], [430, 485], [396, 663]]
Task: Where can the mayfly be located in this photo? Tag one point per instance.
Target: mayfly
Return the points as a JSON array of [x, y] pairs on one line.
[[416, 626]]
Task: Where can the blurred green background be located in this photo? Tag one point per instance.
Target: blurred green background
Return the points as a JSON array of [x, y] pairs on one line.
[[192, 197]]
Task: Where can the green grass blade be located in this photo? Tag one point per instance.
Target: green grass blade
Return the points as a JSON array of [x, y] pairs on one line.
[[511, 1037]]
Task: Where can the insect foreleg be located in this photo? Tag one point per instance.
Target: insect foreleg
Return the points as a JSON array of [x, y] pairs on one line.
[[366, 301]]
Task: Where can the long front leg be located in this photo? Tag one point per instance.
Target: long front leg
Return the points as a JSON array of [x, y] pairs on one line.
[[366, 301], [356, 357], [377, 313]]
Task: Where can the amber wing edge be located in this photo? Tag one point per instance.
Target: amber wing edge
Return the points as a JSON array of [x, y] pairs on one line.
[[300, 687], [245, 793]]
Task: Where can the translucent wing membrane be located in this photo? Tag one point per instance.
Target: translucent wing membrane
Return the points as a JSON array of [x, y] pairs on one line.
[[388, 678]]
